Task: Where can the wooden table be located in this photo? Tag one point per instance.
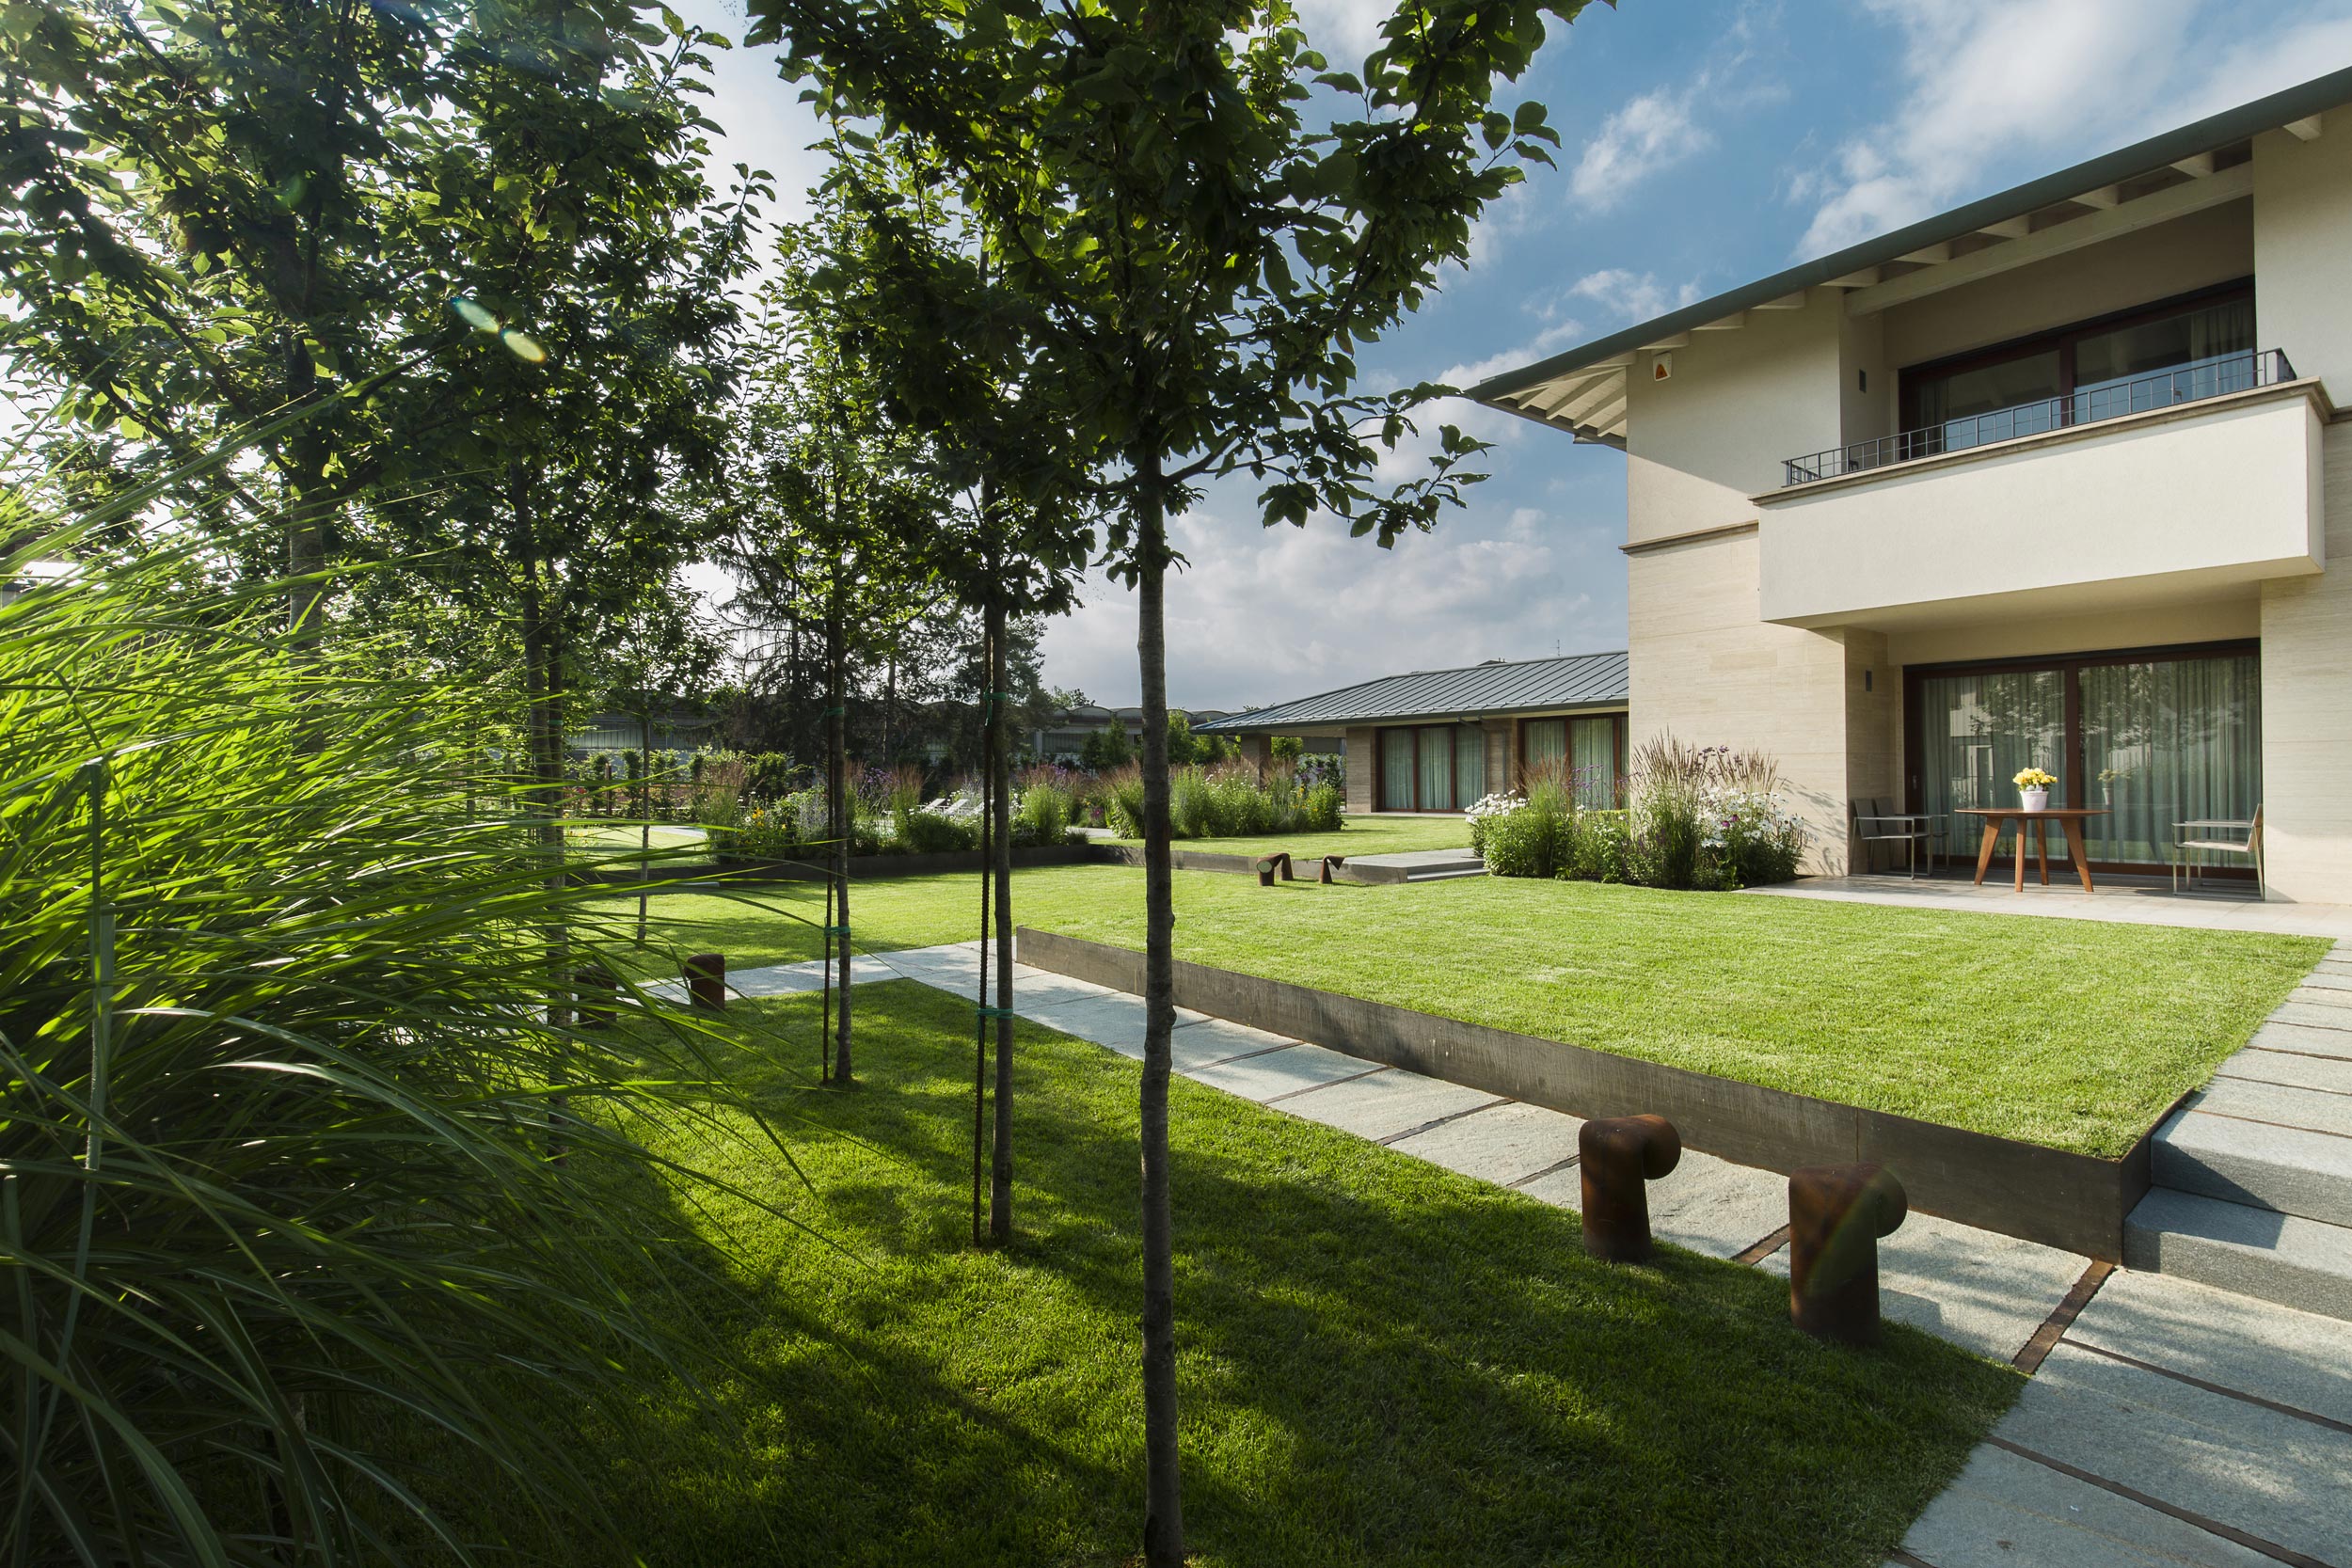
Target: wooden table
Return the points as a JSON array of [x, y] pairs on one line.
[[2069, 819]]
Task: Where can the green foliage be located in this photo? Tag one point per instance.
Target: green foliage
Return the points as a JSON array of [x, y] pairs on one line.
[[1285, 749], [1046, 807], [1184, 747], [1107, 749], [1227, 801], [277, 1101], [1701, 818]]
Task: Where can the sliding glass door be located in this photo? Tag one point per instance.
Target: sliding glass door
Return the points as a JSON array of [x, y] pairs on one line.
[[1432, 767], [1587, 753], [2153, 739]]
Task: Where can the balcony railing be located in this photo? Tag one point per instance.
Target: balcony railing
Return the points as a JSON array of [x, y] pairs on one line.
[[2194, 382]]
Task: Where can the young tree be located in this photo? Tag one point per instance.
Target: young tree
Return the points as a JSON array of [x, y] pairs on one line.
[[1201, 262], [1107, 748], [656, 653], [833, 518]]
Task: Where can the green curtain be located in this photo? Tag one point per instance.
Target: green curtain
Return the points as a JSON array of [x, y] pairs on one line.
[[1976, 732], [1593, 756], [2167, 742], [1396, 770], [1436, 767], [1542, 749], [1469, 766]]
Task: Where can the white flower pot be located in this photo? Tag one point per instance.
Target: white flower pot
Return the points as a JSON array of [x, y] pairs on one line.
[[2034, 800]]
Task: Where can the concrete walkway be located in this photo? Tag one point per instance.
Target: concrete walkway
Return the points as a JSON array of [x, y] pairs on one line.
[[2166, 1423], [2126, 903]]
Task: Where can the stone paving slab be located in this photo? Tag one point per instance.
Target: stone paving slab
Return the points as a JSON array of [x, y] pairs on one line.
[[2271, 1475], [1281, 1072], [1211, 1040], [2311, 1016], [2298, 1037], [2309, 995], [2292, 1069], [1386, 1103], [1979, 1289], [2330, 977], [2285, 1168], [1500, 1145], [2279, 1105], [2274, 1352], [2005, 1510], [1114, 1021], [1706, 1205]]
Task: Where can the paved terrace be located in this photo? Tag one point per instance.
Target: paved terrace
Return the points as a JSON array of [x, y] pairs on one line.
[[2166, 1423], [2124, 901]]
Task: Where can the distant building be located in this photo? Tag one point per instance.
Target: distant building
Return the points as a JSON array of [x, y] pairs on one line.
[[1063, 739]]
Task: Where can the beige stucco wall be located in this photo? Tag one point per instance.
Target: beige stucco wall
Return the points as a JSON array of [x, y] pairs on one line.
[[2302, 243], [1739, 406], [1707, 670], [2307, 710]]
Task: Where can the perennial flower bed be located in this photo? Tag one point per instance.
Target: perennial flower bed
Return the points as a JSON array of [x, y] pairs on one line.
[[1701, 818]]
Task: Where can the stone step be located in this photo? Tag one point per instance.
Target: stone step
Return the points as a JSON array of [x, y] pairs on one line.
[[2277, 1142], [2285, 1259]]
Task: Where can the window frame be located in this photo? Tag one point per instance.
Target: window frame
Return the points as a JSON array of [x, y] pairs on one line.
[[1911, 378]]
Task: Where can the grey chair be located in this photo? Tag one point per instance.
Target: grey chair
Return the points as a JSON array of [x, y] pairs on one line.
[[1874, 825], [2187, 850]]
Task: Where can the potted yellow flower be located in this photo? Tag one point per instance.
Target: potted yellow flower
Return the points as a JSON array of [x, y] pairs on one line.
[[2033, 788]]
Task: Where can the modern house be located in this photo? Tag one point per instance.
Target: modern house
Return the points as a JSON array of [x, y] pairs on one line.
[[1435, 740], [2056, 478]]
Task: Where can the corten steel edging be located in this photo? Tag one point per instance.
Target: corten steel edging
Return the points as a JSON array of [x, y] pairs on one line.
[[1247, 865], [2072, 1201], [862, 868]]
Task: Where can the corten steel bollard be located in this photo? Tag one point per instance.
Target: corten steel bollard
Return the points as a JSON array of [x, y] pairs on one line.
[[1330, 863], [1618, 1155], [1836, 1215], [597, 989], [707, 981], [1278, 861]]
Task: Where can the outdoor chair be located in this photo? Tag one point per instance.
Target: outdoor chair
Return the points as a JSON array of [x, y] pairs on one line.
[[1873, 825], [2185, 848]]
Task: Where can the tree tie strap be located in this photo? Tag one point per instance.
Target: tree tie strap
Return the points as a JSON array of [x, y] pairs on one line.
[[835, 931], [831, 711], [996, 1012]]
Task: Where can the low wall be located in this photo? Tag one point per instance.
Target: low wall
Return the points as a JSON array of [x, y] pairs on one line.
[[862, 868], [1301, 866], [2061, 1199]]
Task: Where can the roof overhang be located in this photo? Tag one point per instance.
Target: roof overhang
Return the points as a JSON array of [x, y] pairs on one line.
[[1583, 391]]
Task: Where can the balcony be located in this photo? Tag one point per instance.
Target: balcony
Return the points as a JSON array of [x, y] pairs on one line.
[[2194, 484], [2219, 376]]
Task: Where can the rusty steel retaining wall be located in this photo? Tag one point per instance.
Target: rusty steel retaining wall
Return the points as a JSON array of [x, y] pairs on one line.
[[2061, 1199]]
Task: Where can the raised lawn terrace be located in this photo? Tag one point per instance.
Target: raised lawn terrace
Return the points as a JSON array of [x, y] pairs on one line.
[[1379, 1361], [2074, 1034]]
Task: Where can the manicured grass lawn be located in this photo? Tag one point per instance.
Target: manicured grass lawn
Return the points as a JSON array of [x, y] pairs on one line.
[[1380, 1362], [1361, 835], [2072, 1033], [618, 836]]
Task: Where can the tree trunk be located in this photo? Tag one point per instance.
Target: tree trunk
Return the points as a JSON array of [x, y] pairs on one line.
[[1163, 1484], [645, 817], [837, 763], [541, 657], [1000, 769]]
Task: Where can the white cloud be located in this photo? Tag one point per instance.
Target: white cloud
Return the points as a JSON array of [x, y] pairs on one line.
[[1631, 297], [1983, 84], [1651, 133], [1344, 30], [1263, 615]]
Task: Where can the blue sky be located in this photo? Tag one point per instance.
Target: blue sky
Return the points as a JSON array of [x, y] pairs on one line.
[[1706, 143]]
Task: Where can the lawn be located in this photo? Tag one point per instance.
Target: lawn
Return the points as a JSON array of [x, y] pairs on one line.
[[1361, 835], [620, 837], [2071, 1033], [1380, 1362]]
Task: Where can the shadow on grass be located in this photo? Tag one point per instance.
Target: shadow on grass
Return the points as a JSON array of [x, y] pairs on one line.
[[1381, 1362]]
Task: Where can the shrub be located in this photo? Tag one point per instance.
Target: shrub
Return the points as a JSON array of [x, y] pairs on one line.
[[1122, 800], [278, 1091], [932, 832], [1227, 801], [1044, 806], [1537, 838], [1324, 809], [1486, 810]]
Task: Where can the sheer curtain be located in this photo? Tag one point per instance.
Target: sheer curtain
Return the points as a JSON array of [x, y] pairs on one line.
[[1469, 766], [1593, 755], [2168, 742], [1542, 749], [1975, 733], [1396, 770], [1436, 769]]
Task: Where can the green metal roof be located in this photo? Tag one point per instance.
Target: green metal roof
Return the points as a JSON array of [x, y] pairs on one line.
[[1497, 687]]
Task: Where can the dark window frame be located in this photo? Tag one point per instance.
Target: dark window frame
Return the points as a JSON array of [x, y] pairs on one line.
[[1518, 742], [1380, 801], [1908, 380], [2069, 668]]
